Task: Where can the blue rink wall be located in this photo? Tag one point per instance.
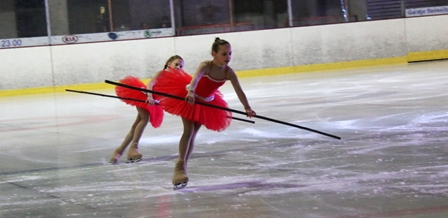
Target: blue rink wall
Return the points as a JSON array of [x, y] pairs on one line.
[[256, 53]]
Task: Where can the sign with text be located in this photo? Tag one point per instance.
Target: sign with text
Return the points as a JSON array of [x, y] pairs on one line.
[[417, 12], [85, 38]]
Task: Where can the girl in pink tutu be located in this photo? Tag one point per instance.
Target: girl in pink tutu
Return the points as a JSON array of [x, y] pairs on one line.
[[147, 111], [203, 86]]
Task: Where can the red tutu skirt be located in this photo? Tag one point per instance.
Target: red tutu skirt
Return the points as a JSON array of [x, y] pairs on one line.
[[174, 83], [155, 111]]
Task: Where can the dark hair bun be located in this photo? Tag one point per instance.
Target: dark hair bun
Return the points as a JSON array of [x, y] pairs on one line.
[[217, 39]]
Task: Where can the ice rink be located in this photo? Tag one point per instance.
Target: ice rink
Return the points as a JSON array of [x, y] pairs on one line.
[[391, 161]]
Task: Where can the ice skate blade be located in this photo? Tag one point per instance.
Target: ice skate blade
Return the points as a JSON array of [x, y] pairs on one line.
[[180, 186], [133, 160]]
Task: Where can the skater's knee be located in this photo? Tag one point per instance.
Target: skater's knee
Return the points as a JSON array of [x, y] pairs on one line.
[[188, 134], [144, 118]]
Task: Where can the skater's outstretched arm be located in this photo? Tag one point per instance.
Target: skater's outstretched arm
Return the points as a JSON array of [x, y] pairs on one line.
[[240, 93]]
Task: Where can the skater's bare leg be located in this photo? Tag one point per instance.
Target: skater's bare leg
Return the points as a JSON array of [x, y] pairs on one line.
[[186, 145], [197, 126], [119, 151], [133, 136], [180, 169], [133, 154]]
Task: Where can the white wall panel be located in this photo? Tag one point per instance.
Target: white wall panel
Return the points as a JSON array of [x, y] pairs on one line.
[[261, 49], [25, 68], [250, 50], [194, 49], [348, 42], [427, 33], [95, 62], [91, 63]]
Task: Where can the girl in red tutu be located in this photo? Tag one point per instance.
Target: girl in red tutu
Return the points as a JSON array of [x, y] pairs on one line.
[[147, 111], [203, 86]]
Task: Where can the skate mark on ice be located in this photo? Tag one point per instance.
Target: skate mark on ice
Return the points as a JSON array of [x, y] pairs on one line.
[[252, 185]]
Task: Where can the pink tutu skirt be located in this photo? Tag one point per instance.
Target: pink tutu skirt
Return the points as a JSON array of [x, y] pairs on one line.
[[174, 83], [155, 111]]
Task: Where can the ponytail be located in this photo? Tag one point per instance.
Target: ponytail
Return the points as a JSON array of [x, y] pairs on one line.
[[218, 42]]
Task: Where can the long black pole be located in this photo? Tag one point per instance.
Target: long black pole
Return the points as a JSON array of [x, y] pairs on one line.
[[103, 95], [138, 100], [222, 108]]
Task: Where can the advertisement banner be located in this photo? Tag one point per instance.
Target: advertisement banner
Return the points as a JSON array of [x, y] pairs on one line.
[[85, 38], [418, 12]]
